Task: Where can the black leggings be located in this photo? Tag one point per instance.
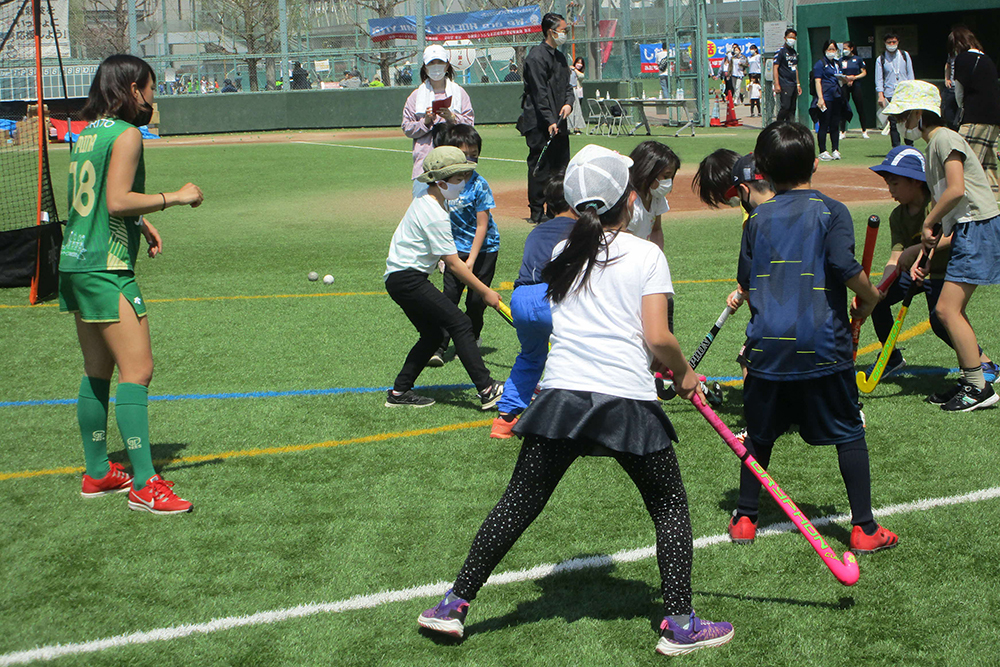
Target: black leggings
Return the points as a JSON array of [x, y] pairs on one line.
[[849, 93], [452, 287], [540, 466], [829, 123], [854, 468]]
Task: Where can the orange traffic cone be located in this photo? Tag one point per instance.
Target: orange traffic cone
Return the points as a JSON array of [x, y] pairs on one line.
[[731, 119], [714, 118]]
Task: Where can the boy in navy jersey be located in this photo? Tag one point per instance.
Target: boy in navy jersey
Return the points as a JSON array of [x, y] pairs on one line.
[[796, 264]]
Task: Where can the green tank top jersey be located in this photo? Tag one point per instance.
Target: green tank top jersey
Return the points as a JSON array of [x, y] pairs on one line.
[[95, 240]]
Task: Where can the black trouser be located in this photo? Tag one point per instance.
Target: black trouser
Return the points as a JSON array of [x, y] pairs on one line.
[[786, 101], [854, 468], [949, 108], [754, 103], [849, 93], [829, 123], [430, 311], [893, 132], [556, 158], [882, 318], [540, 466], [484, 268]]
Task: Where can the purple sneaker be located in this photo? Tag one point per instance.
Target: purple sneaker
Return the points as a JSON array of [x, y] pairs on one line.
[[448, 617], [675, 640]]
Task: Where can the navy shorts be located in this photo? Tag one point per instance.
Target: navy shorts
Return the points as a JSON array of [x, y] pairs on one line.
[[974, 251], [825, 409]]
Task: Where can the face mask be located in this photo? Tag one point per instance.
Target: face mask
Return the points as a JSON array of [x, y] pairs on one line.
[[848, 53], [436, 72], [559, 38], [451, 191], [145, 113], [790, 42], [662, 188], [831, 55], [891, 49]]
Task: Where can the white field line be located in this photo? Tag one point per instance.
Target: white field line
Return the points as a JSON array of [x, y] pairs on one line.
[[437, 589], [392, 150]]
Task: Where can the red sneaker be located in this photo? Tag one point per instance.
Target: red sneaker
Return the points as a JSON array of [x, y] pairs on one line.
[[502, 428], [866, 544], [116, 481], [157, 497], [742, 531]]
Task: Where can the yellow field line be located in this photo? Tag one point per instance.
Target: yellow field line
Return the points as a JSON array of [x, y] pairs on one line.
[[287, 449]]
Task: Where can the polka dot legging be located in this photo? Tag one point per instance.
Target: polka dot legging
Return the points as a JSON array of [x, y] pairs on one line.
[[540, 466]]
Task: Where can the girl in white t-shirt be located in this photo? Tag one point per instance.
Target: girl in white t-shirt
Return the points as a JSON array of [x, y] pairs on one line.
[[422, 238], [652, 174], [609, 293]]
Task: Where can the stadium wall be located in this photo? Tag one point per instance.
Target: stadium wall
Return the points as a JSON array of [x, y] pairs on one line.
[[322, 109], [922, 25]]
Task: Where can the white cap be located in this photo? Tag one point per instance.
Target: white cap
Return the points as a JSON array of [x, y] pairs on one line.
[[435, 52], [596, 174]]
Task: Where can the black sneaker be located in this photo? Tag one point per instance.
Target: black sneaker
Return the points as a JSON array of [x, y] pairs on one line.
[[407, 399], [491, 395], [436, 360], [969, 398], [942, 397]]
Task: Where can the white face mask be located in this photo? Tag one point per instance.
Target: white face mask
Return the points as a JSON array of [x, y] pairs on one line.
[[848, 53], [436, 72], [831, 55], [911, 133], [790, 42], [451, 191], [559, 38], [891, 49], [662, 188]]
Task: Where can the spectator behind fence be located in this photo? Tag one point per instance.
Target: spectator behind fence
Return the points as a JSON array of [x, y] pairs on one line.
[[228, 87], [438, 99], [977, 93], [300, 77], [513, 74]]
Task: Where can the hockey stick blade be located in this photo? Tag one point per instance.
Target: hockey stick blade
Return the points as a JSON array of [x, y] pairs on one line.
[[845, 568], [505, 313]]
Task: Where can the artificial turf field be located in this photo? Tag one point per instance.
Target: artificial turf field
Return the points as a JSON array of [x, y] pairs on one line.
[[267, 411]]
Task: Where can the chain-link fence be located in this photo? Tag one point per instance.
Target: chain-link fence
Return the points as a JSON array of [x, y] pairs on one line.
[[209, 46]]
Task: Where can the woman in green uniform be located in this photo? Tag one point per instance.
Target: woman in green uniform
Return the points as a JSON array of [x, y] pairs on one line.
[[97, 282]]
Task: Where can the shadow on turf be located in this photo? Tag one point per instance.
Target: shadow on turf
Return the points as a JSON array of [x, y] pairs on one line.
[[842, 603], [770, 513], [164, 455]]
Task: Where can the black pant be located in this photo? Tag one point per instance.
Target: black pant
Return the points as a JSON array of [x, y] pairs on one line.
[[754, 103], [555, 159], [882, 317], [430, 311], [829, 123], [893, 132], [484, 268], [540, 466], [786, 101], [849, 93], [949, 108]]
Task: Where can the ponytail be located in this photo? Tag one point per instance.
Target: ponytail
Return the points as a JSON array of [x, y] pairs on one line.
[[585, 243]]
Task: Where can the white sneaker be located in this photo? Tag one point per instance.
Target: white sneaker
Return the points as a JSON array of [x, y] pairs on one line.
[[843, 135], [864, 134], [825, 156], [836, 155]]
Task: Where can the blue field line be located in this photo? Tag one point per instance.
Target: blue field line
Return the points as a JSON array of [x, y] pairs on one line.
[[247, 394], [364, 390]]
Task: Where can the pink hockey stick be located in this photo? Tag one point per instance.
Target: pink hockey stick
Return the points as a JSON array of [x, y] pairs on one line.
[[846, 570]]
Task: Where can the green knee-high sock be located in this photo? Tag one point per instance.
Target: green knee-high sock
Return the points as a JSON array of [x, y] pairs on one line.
[[92, 414], [133, 422]]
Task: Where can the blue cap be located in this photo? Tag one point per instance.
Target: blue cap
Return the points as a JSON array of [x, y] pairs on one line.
[[903, 161]]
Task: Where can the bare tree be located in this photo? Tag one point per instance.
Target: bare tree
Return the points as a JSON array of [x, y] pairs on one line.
[[384, 59], [257, 25], [105, 25]]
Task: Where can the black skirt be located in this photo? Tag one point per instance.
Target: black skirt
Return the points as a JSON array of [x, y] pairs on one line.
[[603, 424]]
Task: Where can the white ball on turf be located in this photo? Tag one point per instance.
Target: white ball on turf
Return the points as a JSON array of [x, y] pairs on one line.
[[328, 279], [313, 275]]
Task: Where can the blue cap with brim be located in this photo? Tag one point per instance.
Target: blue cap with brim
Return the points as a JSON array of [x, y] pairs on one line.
[[903, 161]]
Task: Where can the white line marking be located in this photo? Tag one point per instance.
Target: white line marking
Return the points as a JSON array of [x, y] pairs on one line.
[[52, 652], [394, 150]]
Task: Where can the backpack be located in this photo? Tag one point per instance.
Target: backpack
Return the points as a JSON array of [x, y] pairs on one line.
[[664, 63], [906, 59]]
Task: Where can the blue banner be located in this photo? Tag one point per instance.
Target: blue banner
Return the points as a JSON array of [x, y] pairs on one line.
[[460, 25]]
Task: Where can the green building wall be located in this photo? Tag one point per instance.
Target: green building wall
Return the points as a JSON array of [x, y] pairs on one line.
[[321, 109], [923, 26]]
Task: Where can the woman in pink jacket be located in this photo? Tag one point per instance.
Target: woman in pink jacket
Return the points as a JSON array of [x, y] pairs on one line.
[[437, 85]]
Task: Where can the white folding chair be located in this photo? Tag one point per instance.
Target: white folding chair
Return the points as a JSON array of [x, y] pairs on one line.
[[617, 117], [595, 116]]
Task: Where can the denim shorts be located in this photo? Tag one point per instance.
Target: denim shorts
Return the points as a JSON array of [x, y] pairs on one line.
[[975, 253]]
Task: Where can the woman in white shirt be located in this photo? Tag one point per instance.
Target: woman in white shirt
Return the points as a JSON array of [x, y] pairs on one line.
[[609, 294]]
